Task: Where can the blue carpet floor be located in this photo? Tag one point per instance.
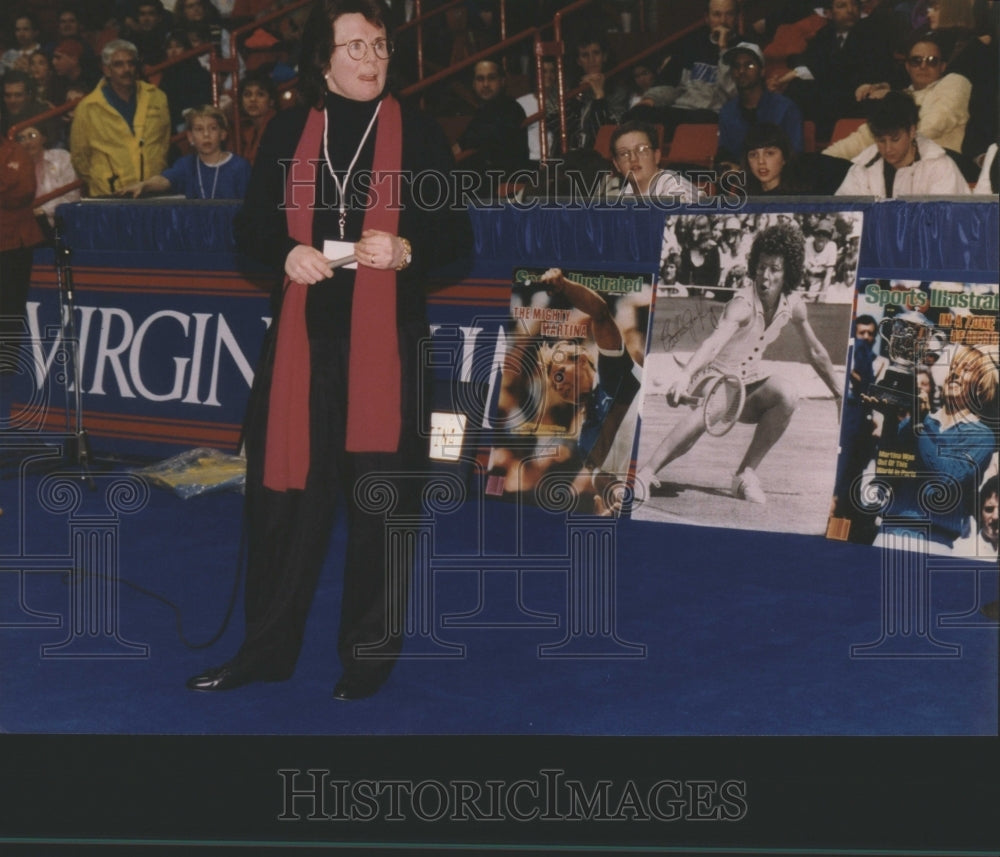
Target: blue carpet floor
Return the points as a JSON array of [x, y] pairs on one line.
[[702, 631]]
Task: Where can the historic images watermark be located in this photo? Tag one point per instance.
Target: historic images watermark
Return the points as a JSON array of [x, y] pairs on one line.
[[558, 186], [548, 795]]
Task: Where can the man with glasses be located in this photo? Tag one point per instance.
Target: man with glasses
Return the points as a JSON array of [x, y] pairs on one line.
[[495, 139], [753, 104], [121, 131]]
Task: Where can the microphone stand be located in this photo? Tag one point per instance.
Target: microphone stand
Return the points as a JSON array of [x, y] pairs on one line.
[[78, 445]]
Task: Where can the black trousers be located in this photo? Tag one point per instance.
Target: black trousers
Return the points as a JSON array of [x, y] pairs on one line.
[[289, 532]]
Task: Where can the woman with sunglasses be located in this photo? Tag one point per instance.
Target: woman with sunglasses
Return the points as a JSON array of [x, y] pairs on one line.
[[969, 47], [336, 413], [943, 100]]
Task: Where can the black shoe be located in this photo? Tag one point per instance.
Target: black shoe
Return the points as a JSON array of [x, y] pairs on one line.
[[356, 687], [234, 674]]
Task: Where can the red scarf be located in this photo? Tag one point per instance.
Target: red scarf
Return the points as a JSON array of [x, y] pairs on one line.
[[373, 390]]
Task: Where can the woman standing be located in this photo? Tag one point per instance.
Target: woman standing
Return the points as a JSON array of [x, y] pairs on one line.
[[340, 403]]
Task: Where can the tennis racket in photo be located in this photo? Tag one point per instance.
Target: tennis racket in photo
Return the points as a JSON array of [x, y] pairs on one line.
[[721, 398]]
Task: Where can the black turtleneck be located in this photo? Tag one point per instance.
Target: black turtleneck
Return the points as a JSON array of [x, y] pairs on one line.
[[329, 304], [347, 123], [438, 233]]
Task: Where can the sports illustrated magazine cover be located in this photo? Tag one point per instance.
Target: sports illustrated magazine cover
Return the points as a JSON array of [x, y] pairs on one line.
[[567, 400], [745, 370], [918, 461]]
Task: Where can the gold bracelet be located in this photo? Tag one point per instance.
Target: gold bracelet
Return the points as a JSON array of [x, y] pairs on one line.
[[407, 255]]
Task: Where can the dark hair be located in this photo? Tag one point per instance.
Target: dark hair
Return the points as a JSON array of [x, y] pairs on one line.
[[15, 75], [203, 30], [492, 61], [784, 240], [138, 4], [896, 111], [212, 14], [767, 135], [592, 37], [317, 41], [31, 16], [179, 35], [923, 370], [931, 36], [635, 126], [259, 77], [866, 320], [990, 487]]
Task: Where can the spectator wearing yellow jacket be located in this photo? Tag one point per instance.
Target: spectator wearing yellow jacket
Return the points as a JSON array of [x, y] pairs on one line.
[[121, 130]]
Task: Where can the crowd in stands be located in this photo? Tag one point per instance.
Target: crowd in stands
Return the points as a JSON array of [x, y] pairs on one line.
[[914, 82], [706, 254]]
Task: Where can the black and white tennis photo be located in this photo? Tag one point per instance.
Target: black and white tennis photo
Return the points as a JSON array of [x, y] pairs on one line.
[[745, 370]]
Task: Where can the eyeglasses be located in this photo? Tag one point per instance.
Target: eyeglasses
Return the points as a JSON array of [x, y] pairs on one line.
[[27, 135], [633, 154], [917, 62], [357, 49]]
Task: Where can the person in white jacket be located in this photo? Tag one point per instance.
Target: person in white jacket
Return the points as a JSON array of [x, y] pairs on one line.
[[987, 182], [943, 100], [901, 162]]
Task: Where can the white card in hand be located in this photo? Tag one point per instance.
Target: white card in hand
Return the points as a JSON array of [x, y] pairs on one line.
[[334, 250]]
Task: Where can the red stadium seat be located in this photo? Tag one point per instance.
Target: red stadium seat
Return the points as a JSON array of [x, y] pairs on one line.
[[845, 127], [808, 136], [602, 143], [694, 144]]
